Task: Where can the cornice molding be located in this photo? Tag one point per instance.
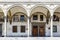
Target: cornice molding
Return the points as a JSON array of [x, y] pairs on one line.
[[44, 3]]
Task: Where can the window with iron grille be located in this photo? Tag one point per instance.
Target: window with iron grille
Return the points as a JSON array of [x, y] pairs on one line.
[[14, 28], [22, 28]]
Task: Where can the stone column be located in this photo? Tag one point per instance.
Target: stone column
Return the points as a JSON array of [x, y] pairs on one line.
[[28, 14], [4, 31], [51, 12]]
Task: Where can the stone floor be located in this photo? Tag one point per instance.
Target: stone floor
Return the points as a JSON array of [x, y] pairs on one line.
[[31, 38]]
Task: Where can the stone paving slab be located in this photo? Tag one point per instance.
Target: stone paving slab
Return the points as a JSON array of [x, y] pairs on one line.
[[30, 38]]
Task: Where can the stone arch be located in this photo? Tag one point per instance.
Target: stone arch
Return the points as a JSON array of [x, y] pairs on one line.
[[21, 6], [56, 8], [15, 9], [43, 6], [56, 13], [41, 9], [1, 11], [37, 8]]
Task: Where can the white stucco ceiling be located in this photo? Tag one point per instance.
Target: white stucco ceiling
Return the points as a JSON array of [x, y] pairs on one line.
[[17, 9], [39, 9]]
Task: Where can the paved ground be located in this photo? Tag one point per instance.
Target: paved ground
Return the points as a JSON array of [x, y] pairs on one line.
[[31, 38]]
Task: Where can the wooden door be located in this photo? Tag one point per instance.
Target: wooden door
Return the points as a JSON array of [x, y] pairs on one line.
[[35, 31], [41, 31]]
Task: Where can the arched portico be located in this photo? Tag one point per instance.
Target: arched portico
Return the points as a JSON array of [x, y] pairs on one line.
[[17, 21], [39, 19], [56, 22]]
